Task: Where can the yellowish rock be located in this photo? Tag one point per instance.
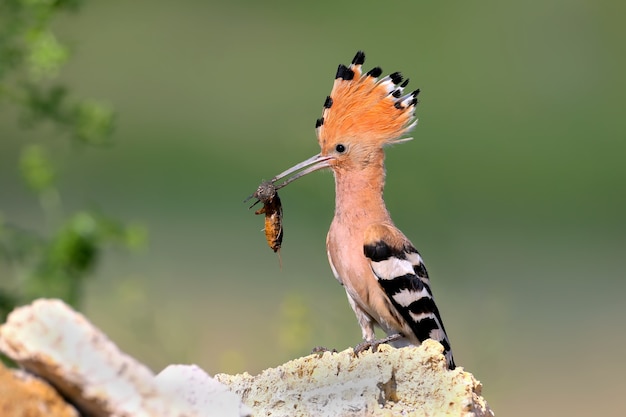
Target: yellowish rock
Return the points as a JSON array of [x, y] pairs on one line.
[[411, 381], [22, 394]]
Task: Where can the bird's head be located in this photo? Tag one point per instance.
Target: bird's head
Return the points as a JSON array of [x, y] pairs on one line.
[[362, 114]]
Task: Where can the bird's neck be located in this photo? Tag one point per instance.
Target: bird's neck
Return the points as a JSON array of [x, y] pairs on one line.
[[359, 195]]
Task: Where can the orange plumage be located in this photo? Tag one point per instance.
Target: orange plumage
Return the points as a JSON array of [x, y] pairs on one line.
[[363, 107]]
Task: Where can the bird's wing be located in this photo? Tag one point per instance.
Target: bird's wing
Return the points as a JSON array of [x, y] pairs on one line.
[[401, 273]]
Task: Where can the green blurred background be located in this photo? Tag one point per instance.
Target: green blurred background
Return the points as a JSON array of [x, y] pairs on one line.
[[514, 190]]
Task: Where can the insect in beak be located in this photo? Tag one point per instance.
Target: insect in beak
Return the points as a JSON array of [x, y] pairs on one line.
[[305, 167], [268, 195]]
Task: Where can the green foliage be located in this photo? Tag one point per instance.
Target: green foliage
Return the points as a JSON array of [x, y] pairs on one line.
[[30, 58], [55, 262], [36, 168]]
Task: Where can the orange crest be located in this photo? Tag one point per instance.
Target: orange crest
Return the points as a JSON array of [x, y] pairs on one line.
[[367, 108]]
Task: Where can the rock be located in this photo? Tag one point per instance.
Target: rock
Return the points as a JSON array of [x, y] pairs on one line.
[[22, 394], [201, 393], [411, 381], [51, 340]]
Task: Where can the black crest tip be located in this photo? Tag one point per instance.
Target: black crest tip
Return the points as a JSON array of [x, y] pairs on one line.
[[405, 83], [344, 72], [328, 102], [396, 77], [398, 105], [359, 58], [396, 93], [319, 122], [375, 72]]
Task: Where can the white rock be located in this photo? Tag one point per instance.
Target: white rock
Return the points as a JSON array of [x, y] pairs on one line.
[[195, 391], [51, 340]]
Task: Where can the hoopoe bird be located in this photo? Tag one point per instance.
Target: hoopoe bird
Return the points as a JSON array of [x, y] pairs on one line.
[[383, 274]]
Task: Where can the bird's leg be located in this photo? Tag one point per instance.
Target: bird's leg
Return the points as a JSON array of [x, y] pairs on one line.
[[362, 347]]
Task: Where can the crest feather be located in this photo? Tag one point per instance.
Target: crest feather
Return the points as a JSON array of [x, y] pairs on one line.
[[367, 108]]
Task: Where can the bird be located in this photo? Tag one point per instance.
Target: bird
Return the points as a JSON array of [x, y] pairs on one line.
[[384, 276]]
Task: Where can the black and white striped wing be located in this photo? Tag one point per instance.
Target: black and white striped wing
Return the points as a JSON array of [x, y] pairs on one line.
[[402, 275]]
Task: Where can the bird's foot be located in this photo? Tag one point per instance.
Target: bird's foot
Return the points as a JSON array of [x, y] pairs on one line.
[[362, 347]]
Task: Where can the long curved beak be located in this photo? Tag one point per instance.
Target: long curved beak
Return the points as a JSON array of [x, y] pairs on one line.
[[312, 164]]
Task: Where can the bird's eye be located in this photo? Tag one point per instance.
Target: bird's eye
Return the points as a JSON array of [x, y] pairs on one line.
[[340, 148]]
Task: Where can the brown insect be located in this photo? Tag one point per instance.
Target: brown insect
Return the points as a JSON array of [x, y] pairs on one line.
[[267, 193], [273, 210]]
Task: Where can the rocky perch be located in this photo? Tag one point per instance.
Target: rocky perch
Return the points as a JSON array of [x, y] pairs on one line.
[[70, 368]]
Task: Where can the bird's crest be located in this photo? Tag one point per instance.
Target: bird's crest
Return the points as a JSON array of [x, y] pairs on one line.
[[367, 108]]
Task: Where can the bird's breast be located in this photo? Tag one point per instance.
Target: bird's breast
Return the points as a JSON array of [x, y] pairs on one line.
[[349, 264]]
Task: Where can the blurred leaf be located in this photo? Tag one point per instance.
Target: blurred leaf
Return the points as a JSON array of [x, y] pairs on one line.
[[75, 248], [46, 55], [73, 253], [93, 122], [36, 168], [44, 104], [71, 5], [87, 121]]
